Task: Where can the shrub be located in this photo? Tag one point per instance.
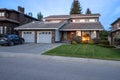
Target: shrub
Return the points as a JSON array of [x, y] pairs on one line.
[[96, 41], [105, 42], [73, 42], [107, 46], [76, 39], [91, 42], [117, 41]]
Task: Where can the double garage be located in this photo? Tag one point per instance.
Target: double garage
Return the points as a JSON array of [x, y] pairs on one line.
[[37, 36]]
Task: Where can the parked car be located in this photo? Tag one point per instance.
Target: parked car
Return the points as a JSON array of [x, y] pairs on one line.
[[11, 40]]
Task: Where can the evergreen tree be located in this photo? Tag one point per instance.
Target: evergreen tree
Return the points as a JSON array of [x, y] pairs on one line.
[[88, 11], [39, 16], [30, 14], [76, 8]]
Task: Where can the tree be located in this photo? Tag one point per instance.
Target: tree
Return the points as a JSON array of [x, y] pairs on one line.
[[39, 16], [76, 8], [30, 14], [88, 11], [104, 35]]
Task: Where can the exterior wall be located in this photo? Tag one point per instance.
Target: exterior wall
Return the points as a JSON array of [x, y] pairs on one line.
[[113, 35], [115, 30], [53, 36], [57, 36], [116, 25], [7, 27]]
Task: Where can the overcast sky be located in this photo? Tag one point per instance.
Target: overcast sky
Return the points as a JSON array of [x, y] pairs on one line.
[[109, 9]]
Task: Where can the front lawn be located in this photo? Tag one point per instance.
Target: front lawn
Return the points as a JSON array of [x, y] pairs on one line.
[[85, 51]]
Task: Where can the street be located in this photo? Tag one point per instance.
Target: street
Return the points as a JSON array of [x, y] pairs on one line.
[[31, 68]]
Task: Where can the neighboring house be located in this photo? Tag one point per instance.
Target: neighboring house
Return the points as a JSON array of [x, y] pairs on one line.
[[9, 19], [58, 28], [115, 33]]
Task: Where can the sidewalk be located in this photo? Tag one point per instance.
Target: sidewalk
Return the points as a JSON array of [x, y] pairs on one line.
[[60, 58]]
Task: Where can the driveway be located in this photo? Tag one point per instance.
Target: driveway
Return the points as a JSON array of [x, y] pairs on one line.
[[29, 48]]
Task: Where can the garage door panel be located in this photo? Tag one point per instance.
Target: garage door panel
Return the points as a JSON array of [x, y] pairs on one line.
[[44, 37], [28, 36]]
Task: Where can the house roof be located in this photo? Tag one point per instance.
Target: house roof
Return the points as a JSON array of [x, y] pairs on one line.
[[12, 10], [36, 25], [82, 26], [115, 21], [71, 16], [10, 20]]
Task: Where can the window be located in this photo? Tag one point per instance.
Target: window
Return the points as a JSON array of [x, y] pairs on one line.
[[5, 29], [49, 32], [1, 30], [118, 25], [27, 32], [42, 32], [2, 14], [82, 20], [92, 20]]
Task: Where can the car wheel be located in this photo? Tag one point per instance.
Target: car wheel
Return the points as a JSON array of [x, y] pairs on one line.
[[11, 43], [22, 41]]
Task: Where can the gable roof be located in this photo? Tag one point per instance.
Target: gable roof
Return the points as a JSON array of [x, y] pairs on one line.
[[36, 25], [115, 21], [82, 26]]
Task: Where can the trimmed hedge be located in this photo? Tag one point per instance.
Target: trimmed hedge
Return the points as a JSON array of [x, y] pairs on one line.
[[107, 46], [105, 42]]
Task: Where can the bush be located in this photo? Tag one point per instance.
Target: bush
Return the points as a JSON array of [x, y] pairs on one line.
[[105, 42], [76, 39], [117, 41], [107, 46], [96, 41], [73, 42], [91, 42]]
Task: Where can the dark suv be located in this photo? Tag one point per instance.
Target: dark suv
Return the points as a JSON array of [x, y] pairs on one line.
[[11, 39]]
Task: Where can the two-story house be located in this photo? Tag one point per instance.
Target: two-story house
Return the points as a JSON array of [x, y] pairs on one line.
[[9, 19], [58, 28], [115, 32]]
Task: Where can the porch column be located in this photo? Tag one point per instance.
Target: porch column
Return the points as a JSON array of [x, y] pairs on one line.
[[90, 35], [78, 33]]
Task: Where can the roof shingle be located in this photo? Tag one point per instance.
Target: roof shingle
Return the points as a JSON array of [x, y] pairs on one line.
[[40, 25], [82, 26]]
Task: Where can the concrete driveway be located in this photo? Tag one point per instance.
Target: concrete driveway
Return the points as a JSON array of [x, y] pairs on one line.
[[29, 48]]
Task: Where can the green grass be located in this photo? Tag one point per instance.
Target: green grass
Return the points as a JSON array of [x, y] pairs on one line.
[[85, 51]]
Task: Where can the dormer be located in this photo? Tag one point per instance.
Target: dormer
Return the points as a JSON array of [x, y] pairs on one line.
[[85, 18]]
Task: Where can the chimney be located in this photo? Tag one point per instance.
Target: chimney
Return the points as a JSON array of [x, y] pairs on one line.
[[20, 9]]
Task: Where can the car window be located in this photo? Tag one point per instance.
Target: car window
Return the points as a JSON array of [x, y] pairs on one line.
[[10, 37], [15, 36]]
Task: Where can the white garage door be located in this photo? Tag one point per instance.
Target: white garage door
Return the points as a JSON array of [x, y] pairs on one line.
[[28, 36], [44, 37]]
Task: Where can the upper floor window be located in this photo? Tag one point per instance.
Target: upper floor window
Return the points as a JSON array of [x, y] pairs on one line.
[[2, 14], [118, 25], [84, 20]]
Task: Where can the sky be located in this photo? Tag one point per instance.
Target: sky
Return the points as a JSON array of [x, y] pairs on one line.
[[108, 9]]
